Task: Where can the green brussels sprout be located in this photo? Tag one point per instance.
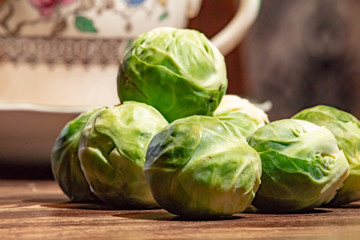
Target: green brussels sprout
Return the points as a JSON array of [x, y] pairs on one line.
[[302, 166], [346, 129], [65, 162], [242, 121], [200, 167], [112, 153], [177, 71], [242, 113], [233, 103]]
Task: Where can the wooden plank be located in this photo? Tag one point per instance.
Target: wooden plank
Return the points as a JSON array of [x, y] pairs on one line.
[[39, 210]]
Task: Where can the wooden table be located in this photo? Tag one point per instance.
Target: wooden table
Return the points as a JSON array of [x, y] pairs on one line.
[[39, 210]]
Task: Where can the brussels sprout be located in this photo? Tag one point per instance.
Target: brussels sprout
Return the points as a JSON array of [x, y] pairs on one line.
[[232, 104], [346, 129], [241, 121], [243, 114], [200, 167], [177, 71], [302, 166], [65, 163], [112, 153]]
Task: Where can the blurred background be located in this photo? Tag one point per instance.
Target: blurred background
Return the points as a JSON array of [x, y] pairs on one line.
[[299, 53], [302, 53]]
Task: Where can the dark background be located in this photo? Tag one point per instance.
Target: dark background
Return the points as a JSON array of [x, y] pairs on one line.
[[298, 54], [302, 53]]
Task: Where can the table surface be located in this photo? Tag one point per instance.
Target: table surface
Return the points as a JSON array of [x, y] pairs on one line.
[[39, 210]]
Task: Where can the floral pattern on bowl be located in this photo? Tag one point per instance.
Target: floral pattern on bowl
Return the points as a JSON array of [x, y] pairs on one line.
[[47, 7]]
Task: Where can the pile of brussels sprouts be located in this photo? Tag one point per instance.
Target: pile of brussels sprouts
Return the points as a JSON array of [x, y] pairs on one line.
[[178, 142]]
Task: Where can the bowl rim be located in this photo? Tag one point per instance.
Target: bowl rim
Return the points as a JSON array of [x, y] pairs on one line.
[[46, 108]]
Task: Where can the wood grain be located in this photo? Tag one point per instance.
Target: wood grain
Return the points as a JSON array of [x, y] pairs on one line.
[[39, 210]]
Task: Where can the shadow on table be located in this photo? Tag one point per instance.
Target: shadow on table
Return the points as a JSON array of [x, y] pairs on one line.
[[162, 215], [350, 205], [147, 214], [80, 206]]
